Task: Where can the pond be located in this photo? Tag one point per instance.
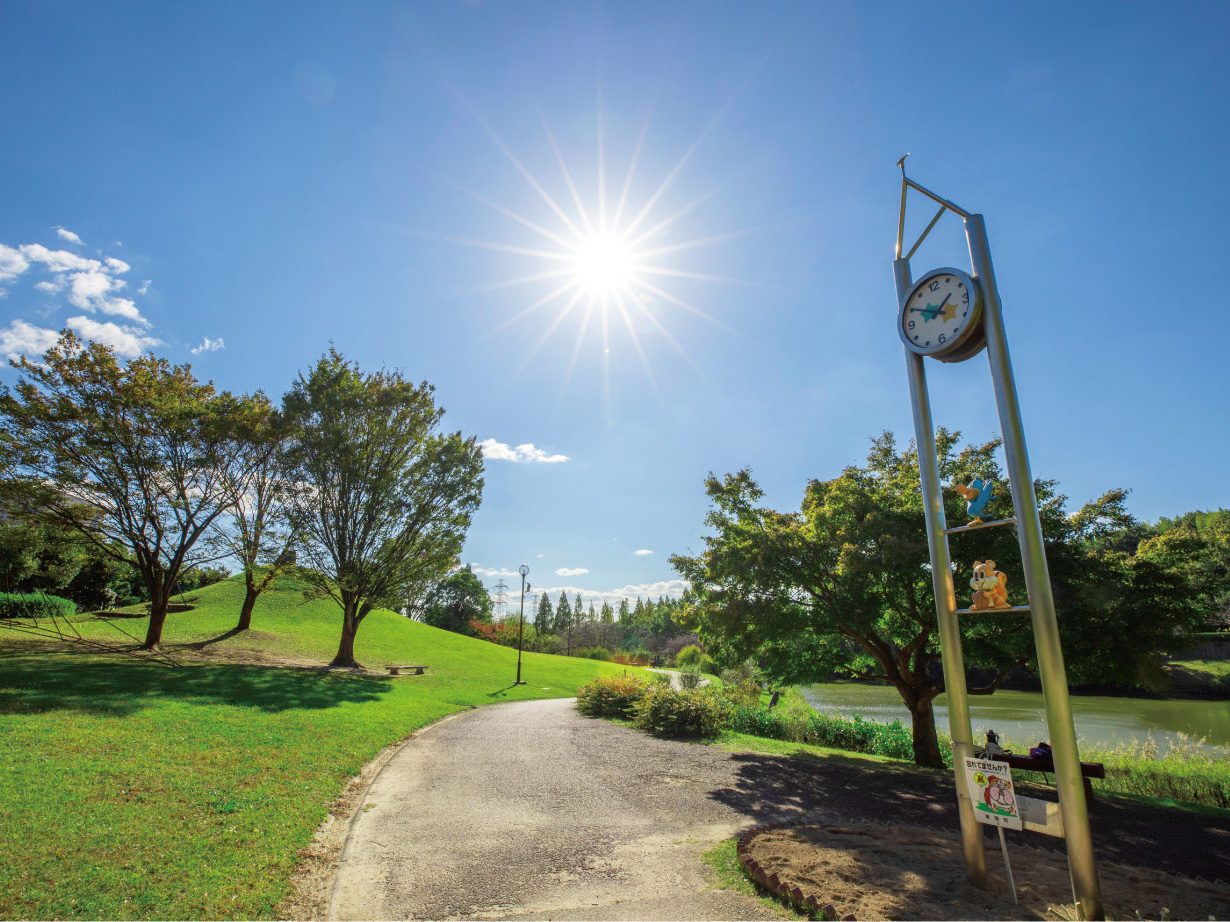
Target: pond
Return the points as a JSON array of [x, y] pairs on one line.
[[1019, 716]]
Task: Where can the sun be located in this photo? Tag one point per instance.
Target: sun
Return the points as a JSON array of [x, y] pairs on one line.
[[605, 260], [604, 265]]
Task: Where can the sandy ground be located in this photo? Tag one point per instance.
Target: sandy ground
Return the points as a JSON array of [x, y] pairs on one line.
[[875, 871]]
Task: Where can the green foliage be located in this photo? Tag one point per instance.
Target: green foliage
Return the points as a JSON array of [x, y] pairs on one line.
[[842, 584], [691, 655], [456, 601], [854, 734], [689, 676], [660, 678], [544, 619], [385, 501], [695, 712], [124, 454], [611, 696], [600, 653], [35, 605]]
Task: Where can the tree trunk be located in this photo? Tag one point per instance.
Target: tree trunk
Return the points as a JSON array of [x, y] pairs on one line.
[[345, 649], [926, 743], [249, 602], [157, 618]]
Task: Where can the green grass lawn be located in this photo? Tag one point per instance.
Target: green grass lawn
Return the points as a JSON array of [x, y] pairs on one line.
[[132, 790]]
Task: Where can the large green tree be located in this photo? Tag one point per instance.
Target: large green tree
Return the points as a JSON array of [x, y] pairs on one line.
[[383, 500], [126, 454], [844, 583], [457, 600]]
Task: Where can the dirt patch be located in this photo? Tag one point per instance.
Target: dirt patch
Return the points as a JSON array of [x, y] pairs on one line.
[[874, 871]]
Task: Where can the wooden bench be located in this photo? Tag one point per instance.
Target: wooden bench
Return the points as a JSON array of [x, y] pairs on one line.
[[396, 670], [1047, 766]]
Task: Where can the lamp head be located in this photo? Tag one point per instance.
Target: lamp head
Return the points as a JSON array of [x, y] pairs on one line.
[[523, 570]]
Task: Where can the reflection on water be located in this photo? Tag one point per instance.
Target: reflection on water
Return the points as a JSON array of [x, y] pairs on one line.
[[1019, 716]]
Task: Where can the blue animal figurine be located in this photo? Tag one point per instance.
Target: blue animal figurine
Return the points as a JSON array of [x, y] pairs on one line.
[[977, 495]]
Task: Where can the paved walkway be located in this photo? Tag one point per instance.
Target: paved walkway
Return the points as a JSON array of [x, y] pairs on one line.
[[531, 811]]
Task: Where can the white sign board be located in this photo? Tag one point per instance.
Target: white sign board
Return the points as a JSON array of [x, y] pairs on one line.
[[990, 787]]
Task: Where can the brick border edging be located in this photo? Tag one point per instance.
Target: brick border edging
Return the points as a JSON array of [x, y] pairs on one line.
[[791, 895]]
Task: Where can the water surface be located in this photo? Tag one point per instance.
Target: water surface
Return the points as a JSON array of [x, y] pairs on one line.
[[1018, 716]]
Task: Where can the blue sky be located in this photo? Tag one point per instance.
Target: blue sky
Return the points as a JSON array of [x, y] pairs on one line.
[[267, 179]]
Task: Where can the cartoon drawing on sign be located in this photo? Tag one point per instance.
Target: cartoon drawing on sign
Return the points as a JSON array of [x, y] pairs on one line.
[[998, 796]]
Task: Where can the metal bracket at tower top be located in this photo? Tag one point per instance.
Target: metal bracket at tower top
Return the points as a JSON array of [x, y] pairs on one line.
[[945, 205]]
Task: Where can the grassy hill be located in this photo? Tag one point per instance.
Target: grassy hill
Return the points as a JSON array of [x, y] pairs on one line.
[[133, 790]]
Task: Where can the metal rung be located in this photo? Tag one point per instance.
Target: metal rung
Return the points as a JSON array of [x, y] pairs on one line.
[[949, 531], [1014, 610]]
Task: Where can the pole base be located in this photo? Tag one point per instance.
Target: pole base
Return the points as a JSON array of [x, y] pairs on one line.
[[521, 683]]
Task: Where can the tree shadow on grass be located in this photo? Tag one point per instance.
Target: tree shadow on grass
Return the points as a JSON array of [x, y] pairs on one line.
[[770, 788], [36, 684]]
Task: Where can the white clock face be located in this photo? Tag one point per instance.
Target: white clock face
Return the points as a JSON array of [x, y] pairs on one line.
[[940, 311]]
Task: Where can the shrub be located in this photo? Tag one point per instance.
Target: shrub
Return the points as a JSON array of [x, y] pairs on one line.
[[854, 734], [659, 678], [34, 605], [690, 655], [611, 696], [689, 677], [688, 713], [600, 653], [707, 666], [637, 656], [745, 693]]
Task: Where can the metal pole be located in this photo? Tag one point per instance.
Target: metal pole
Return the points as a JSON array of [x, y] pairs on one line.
[[1072, 805], [523, 570], [945, 599], [1003, 849]]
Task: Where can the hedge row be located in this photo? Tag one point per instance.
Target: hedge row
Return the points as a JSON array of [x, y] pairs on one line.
[[34, 605]]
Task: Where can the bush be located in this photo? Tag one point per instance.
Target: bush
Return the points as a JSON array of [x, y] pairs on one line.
[[689, 677], [745, 693], [690, 655], [659, 678], [689, 713], [611, 696], [707, 666], [854, 734], [34, 605], [599, 653]]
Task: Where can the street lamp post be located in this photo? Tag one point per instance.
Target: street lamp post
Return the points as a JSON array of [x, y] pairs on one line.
[[524, 571]]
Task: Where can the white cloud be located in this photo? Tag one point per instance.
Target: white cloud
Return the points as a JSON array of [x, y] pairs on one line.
[[125, 340], [671, 588], [208, 345], [23, 338], [643, 552], [58, 260], [480, 570], [144, 289], [52, 287], [117, 265], [571, 571], [499, 451], [540, 556], [12, 263], [68, 235]]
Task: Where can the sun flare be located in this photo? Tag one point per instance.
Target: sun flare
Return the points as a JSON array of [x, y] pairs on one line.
[[604, 265], [606, 261]]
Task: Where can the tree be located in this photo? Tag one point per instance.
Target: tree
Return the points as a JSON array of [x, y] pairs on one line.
[[456, 601], [257, 531], [844, 583], [624, 615], [544, 620], [608, 615], [384, 501], [126, 455], [563, 614]]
